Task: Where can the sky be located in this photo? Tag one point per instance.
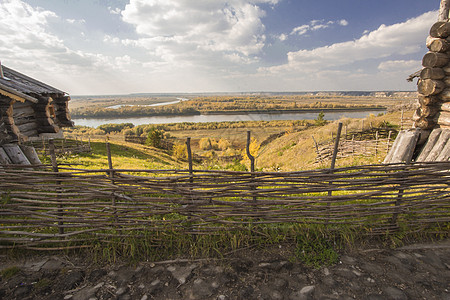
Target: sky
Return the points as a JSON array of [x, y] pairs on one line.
[[94, 47]]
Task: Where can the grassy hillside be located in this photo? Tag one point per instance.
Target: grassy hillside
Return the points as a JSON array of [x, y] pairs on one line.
[[124, 156], [294, 150]]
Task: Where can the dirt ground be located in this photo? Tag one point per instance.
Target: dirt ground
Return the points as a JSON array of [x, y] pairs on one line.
[[418, 271]]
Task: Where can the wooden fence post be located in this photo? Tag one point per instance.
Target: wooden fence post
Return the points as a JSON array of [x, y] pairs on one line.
[[388, 141], [189, 153], [401, 121], [111, 176], [353, 145], [252, 161], [58, 183], [376, 143], [333, 162], [319, 157], [336, 146]]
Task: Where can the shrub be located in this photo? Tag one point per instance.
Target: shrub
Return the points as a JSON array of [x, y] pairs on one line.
[[154, 137], [180, 151]]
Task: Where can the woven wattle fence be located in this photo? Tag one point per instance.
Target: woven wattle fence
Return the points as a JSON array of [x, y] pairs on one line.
[[41, 209]]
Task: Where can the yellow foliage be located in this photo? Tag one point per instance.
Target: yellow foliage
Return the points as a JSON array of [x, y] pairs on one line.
[[180, 151]]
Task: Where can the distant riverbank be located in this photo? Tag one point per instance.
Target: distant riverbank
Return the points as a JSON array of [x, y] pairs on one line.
[[331, 114]]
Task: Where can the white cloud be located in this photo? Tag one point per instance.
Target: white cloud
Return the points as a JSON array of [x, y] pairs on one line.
[[301, 30], [182, 27], [27, 43], [315, 25], [282, 37], [398, 39], [114, 11], [399, 65], [343, 22]]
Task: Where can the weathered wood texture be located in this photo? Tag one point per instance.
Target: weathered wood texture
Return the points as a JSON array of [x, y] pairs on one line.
[[16, 154], [403, 148], [4, 158], [31, 154], [444, 11], [428, 87], [435, 60], [214, 201], [436, 148]]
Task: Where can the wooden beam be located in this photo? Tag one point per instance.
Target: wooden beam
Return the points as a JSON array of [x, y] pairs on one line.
[[444, 11], [16, 95], [16, 155]]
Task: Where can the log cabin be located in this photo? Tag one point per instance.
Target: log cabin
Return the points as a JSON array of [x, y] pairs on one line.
[[30, 108], [429, 139]]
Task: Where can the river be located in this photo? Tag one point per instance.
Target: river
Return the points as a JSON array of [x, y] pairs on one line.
[[331, 116]]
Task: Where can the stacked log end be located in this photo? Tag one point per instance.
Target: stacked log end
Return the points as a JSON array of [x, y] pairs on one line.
[[434, 82]]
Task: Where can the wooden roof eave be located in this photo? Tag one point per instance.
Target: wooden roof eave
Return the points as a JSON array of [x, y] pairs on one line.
[[16, 95]]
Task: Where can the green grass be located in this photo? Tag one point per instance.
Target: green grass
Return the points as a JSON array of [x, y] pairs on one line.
[[9, 272], [124, 156]]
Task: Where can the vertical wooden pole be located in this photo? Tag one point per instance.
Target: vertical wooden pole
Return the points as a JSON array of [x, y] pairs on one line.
[[252, 161], [333, 162], [353, 144], [388, 141], [189, 153], [336, 146], [319, 157], [43, 146], [249, 155], [376, 143], [444, 11], [111, 176], [401, 121], [362, 125], [56, 170]]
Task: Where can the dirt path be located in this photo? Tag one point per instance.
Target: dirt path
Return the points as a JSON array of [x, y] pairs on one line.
[[420, 271]]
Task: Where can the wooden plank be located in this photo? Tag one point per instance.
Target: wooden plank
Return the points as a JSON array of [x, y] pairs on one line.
[[445, 153], [434, 136], [4, 158], [403, 149], [15, 154], [31, 154], [16, 95], [388, 158], [438, 146]]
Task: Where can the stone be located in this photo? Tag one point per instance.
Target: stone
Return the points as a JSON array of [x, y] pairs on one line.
[[307, 290], [52, 265], [182, 274], [72, 280], [200, 290], [276, 295], [124, 275], [87, 292], [394, 293], [304, 294], [122, 290], [280, 283]]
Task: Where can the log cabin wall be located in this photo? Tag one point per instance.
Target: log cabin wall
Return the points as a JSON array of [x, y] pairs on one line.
[[45, 115], [61, 106], [29, 108], [434, 81], [8, 131], [25, 119]]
